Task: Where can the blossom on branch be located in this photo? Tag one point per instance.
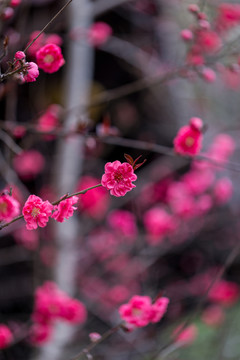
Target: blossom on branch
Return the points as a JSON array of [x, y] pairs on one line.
[[118, 178], [49, 58], [36, 212], [9, 207], [140, 311], [65, 209], [189, 138]]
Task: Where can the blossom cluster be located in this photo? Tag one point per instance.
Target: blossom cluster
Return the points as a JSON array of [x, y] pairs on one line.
[[207, 38], [36, 212], [195, 193], [52, 304]]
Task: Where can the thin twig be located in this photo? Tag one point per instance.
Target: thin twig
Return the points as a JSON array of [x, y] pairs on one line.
[[46, 26]]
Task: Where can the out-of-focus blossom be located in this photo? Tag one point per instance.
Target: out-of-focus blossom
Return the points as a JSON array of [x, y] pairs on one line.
[[9, 207], [49, 121], [94, 336], [213, 315], [188, 140], [158, 224], [123, 222], [224, 292], [223, 190], [140, 311], [28, 164], [6, 336], [187, 336], [95, 202], [228, 16], [99, 33]]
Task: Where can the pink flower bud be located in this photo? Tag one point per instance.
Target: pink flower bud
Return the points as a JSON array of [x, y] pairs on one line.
[[193, 8], [20, 55], [94, 336], [208, 75], [186, 34], [7, 13]]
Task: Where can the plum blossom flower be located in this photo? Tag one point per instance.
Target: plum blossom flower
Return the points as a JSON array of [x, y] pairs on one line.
[[124, 222], [158, 224], [53, 304], [49, 58], [224, 292], [6, 336], [30, 72], [36, 212], [140, 311], [64, 209], [189, 138], [187, 336], [9, 207], [99, 33], [40, 333], [95, 202], [28, 164], [49, 120], [118, 178]]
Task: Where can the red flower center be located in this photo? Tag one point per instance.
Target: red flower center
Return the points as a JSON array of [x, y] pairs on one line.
[[35, 212], [189, 141], [48, 59], [3, 207], [118, 176]]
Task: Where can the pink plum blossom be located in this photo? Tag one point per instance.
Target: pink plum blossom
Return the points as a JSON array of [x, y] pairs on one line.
[[158, 224], [40, 333], [118, 178], [213, 315], [53, 304], [140, 311], [187, 35], [222, 148], [188, 140], [99, 33], [15, 3], [187, 336], [123, 222], [223, 190], [9, 207], [6, 336], [224, 292], [94, 336], [49, 121], [30, 73], [28, 164], [49, 58], [95, 202], [64, 210], [208, 75], [36, 212]]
